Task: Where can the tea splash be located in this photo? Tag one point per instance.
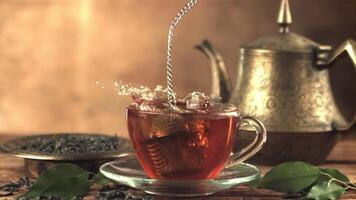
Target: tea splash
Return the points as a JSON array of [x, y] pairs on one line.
[[157, 99]]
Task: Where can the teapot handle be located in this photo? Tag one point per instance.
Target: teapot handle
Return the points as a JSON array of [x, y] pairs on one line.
[[347, 48]]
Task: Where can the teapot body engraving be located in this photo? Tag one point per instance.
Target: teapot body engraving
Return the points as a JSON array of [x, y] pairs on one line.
[[285, 92]]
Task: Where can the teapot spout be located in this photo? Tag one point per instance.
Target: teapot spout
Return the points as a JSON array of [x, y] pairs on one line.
[[221, 84]]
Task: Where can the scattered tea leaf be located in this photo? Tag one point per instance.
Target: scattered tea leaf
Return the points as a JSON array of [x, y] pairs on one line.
[[290, 177], [118, 192], [51, 175], [325, 191], [333, 173], [15, 186]]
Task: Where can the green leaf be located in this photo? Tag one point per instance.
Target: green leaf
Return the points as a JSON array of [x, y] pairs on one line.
[[101, 180], [68, 187], [51, 175], [333, 173], [325, 191], [290, 177]]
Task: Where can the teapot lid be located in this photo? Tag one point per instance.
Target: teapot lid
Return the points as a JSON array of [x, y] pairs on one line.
[[285, 40]]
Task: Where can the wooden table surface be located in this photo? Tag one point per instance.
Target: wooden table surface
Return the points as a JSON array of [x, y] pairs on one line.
[[343, 158]]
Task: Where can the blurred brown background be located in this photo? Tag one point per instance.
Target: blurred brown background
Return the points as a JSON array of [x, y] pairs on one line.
[[52, 52]]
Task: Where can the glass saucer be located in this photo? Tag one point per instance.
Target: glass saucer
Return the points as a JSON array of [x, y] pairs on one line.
[[126, 170]]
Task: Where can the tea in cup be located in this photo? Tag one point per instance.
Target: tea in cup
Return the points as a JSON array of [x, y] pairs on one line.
[[190, 144]]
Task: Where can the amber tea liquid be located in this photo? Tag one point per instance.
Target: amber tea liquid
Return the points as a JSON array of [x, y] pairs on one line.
[[181, 146]]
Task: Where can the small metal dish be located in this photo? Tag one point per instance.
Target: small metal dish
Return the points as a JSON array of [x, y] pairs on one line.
[[36, 162]]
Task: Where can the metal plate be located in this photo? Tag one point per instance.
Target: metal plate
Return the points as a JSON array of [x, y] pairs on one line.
[[12, 147]]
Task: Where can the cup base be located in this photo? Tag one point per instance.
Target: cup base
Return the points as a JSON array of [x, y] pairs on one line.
[[126, 170]]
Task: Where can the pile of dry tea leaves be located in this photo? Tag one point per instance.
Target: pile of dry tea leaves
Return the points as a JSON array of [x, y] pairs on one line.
[[67, 143]]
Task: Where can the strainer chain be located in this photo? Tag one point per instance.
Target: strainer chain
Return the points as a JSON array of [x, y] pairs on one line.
[[176, 20]]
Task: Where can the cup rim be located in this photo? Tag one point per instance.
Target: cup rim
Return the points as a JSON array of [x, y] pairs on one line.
[[233, 111]]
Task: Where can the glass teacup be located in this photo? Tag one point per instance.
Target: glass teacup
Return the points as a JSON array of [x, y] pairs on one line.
[[192, 144]]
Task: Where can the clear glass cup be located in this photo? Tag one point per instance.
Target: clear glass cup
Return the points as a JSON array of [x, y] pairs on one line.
[[190, 145]]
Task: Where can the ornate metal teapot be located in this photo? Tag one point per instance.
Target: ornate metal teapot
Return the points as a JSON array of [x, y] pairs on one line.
[[283, 81]]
